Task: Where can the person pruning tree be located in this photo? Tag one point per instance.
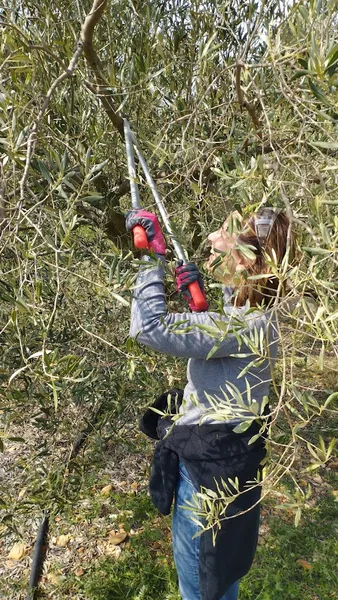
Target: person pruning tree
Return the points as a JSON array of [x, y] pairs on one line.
[[224, 404]]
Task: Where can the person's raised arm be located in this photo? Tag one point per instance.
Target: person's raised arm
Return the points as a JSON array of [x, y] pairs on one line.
[[187, 334]]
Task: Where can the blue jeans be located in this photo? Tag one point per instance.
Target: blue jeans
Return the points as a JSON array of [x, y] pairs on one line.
[[186, 549]]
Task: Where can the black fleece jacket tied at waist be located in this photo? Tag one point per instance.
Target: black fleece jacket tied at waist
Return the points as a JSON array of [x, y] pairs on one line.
[[211, 453]]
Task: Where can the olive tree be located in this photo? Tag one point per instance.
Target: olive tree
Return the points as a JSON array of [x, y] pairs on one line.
[[235, 106]]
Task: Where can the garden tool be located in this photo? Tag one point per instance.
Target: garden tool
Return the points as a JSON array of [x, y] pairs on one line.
[[139, 235]]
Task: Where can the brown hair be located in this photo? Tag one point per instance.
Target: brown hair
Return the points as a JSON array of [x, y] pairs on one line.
[[263, 291]]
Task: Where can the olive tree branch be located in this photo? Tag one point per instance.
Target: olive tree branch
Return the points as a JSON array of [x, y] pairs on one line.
[[85, 46], [101, 89]]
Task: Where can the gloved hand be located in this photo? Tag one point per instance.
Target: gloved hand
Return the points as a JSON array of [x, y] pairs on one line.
[[151, 226], [185, 275]]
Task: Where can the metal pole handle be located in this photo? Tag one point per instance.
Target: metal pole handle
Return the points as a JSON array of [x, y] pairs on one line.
[[139, 235], [194, 288]]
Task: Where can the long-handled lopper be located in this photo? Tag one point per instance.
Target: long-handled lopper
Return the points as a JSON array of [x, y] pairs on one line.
[[139, 235]]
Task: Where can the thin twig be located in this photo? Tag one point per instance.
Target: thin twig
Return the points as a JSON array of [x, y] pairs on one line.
[[243, 103], [85, 46], [31, 142], [2, 195]]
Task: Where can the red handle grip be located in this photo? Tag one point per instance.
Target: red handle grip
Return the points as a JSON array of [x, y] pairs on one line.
[[198, 296], [140, 237]]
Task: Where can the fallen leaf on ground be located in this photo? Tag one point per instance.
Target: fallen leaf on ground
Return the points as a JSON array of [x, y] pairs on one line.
[[113, 550], [10, 564], [62, 540], [106, 490], [79, 572], [18, 551], [304, 563], [22, 493], [134, 486], [156, 546], [117, 537], [53, 578]]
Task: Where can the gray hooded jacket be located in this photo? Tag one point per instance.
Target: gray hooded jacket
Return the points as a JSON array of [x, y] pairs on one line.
[[230, 354]]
